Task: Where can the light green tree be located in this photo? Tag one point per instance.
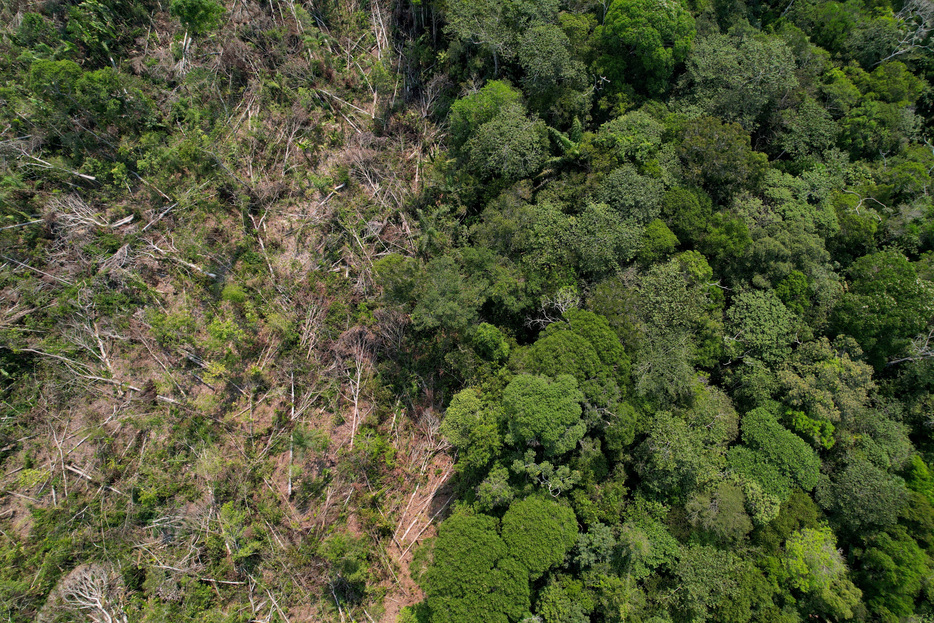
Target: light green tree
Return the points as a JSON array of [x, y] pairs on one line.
[[814, 566]]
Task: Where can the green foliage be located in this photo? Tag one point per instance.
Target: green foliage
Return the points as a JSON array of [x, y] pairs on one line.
[[633, 195], [539, 532], [545, 413], [894, 571], [585, 347], [445, 300], [658, 243], [721, 511], [656, 34], [885, 306], [602, 241], [326, 186], [545, 56], [197, 16], [565, 600], [490, 343], [645, 546], [920, 479], [497, 26], [817, 432], [511, 145], [830, 384], [350, 567], [718, 157], [760, 327], [470, 112], [788, 453], [472, 428], [741, 79], [707, 578], [815, 566], [862, 496], [471, 578]]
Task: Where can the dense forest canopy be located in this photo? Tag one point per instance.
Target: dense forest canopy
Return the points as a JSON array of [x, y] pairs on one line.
[[466, 310]]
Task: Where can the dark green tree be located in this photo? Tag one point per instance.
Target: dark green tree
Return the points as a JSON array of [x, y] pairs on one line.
[[645, 40], [885, 306], [718, 157]]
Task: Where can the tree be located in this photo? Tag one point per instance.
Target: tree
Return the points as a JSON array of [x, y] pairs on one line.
[[510, 146], [760, 327], [893, 571], [707, 577], [740, 79], [814, 566], [546, 60], [585, 347], [647, 39], [829, 384], [545, 413], [787, 452], [94, 589], [863, 496], [471, 578], [565, 600], [885, 307], [687, 211], [472, 428], [197, 16], [635, 138], [602, 241], [633, 195], [717, 157], [658, 243], [539, 533], [721, 511], [470, 112], [496, 26], [645, 545], [673, 461], [445, 300]]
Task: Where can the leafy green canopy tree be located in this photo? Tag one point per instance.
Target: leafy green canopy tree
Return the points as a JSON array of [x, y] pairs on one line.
[[707, 578], [197, 16], [886, 305], [545, 413], [644, 40], [762, 328], [539, 533], [496, 26], [546, 60], [773, 456], [472, 428], [511, 145], [813, 565], [827, 383], [894, 572], [602, 241], [863, 496], [740, 79], [470, 112], [472, 578], [585, 347], [718, 157]]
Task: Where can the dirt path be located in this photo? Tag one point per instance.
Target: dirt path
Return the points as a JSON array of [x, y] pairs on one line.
[[425, 505]]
